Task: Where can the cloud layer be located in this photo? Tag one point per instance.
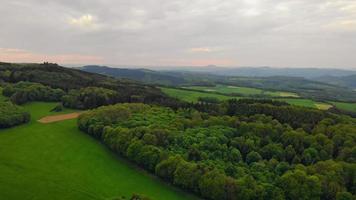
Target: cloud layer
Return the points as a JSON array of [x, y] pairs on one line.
[[285, 33]]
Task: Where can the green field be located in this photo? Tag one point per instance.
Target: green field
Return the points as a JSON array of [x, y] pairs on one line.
[[351, 107], [56, 161], [307, 103], [192, 96], [225, 89]]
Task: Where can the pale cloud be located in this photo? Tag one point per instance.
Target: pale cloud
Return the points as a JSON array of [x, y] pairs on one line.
[[252, 12], [342, 25], [298, 33], [20, 55], [84, 21], [197, 62], [200, 50]]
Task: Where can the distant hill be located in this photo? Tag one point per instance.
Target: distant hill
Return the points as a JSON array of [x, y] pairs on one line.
[[307, 88], [344, 81], [304, 87], [269, 71], [57, 76], [142, 75]]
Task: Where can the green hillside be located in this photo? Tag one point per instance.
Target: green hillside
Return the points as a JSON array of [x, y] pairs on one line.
[[57, 161], [246, 91], [191, 96]]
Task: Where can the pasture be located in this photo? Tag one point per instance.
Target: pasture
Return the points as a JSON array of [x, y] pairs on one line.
[[192, 96], [351, 107], [244, 91], [57, 161]]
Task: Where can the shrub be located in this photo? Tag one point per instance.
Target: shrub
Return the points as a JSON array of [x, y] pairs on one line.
[[12, 115]]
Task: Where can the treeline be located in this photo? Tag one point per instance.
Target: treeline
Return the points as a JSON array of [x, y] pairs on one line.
[[12, 115], [293, 115], [55, 76], [22, 92], [232, 157], [90, 97]]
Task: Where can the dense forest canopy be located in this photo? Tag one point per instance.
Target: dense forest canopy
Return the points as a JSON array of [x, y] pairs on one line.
[[90, 97], [66, 79], [22, 92], [233, 157]]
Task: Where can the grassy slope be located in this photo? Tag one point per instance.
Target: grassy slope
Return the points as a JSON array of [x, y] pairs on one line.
[[191, 96], [243, 90], [56, 161], [345, 106]]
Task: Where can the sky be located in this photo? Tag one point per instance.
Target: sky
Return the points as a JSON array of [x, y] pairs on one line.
[[277, 33]]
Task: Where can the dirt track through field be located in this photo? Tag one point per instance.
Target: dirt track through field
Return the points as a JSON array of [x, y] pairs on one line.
[[57, 118]]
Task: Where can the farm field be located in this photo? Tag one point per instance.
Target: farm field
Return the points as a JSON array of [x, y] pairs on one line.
[[246, 91], [345, 106], [57, 161], [192, 96], [307, 103]]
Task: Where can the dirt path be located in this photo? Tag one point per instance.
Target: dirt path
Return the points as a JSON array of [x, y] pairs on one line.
[[57, 118]]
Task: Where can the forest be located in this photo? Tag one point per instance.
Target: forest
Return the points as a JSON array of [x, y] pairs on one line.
[[22, 92], [232, 155]]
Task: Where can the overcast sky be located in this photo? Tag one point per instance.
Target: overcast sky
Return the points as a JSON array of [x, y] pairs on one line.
[[280, 33]]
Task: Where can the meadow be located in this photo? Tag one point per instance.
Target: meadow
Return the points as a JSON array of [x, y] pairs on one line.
[[351, 107], [246, 91], [193, 96], [57, 161]]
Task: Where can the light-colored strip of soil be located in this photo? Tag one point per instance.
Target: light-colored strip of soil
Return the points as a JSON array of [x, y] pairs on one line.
[[57, 118]]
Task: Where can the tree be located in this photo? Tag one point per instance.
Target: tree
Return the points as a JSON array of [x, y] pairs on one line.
[[310, 156], [253, 157], [187, 176], [166, 168], [298, 185], [344, 196], [212, 185]]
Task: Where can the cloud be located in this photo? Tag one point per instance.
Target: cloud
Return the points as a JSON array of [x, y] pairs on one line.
[[200, 50], [20, 55], [84, 21], [308, 33], [342, 25], [197, 62]]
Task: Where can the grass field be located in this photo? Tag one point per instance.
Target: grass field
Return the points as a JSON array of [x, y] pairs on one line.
[[191, 96], [345, 106], [56, 161], [225, 89]]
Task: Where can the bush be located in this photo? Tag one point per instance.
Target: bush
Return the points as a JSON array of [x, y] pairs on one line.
[[58, 108], [12, 115]]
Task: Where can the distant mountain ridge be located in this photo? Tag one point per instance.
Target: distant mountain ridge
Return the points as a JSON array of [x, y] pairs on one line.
[[344, 81], [269, 71], [142, 75], [308, 88]]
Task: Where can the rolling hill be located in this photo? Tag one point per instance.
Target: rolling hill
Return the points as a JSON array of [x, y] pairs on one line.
[[143, 75], [344, 81]]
